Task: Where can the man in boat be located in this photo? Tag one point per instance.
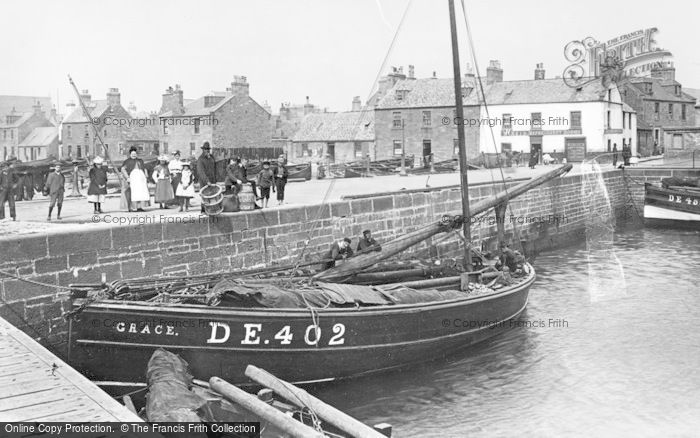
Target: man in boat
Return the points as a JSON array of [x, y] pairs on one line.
[[368, 243], [8, 181], [54, 188], [509, 258], [339, 250]]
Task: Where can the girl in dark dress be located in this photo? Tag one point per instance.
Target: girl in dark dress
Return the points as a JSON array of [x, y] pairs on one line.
[[98, 184]]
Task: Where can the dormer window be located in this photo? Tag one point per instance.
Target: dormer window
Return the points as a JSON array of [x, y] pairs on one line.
[[401, 94], [678, 90], [647, 87]]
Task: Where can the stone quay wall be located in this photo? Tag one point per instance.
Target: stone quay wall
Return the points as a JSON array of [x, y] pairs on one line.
[[549, 216]]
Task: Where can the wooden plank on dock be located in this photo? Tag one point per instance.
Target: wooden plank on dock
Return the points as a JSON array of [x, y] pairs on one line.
[[39, 386]]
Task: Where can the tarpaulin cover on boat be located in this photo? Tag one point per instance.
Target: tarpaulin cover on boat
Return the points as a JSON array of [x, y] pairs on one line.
[[320, 294], [169, 398], [680, 181]]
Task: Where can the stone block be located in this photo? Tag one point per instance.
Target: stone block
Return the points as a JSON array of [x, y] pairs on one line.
[[72, 243], [16, 290], [51, 264], [24, 248]]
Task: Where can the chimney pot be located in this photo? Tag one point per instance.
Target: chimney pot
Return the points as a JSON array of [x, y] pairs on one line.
[[494, 72], [356, 103], [539, 72]]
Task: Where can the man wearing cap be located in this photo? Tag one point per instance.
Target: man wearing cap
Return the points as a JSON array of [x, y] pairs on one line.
[[55, 186], [206, 167], [281, 175], [368, 243], [8, 180], [339, 250]]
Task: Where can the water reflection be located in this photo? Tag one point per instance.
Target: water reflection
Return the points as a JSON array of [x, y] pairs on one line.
[[629, 366]]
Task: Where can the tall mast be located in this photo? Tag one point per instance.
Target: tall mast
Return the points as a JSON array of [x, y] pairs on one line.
[[460, 139]]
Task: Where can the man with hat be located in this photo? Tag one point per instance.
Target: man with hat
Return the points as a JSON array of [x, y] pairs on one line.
[[206, 167], [368, 243], [8, 180], [54, 188], [339, 250]]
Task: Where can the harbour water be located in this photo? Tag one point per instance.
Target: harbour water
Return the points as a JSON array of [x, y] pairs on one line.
[[579, 363]]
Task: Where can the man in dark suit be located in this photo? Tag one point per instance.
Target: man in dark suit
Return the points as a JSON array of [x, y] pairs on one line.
[[368, 243], [206, 168], [54, 188], [8, 182]]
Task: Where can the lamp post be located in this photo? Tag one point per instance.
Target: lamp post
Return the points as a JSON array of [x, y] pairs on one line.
[[403, 149]]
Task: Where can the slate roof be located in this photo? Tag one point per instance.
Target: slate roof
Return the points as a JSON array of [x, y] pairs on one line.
[[628, 109], [340, 127], [658, 92], [96, 108], [19, 122], [22, 104], [434, 92], [41, 137], [694, 92], [196, 107]]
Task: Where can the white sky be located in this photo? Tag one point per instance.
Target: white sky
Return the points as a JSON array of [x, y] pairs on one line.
[[329, 50]]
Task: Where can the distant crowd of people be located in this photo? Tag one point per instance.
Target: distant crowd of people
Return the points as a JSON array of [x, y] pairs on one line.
[[174, 180]]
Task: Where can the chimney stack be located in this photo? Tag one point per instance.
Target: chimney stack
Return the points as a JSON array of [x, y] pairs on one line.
[[494, 72], [240, 86], [668, 72], [85, 97], [307, 106], [356, 103], [37, 108], [539, 72], [434, 74], [113, 97], [173, 101], [411, 72], [469, 72]]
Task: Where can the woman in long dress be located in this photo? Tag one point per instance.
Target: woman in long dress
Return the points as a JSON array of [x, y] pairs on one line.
[[185, 191], [134, 170], [175, 168], [164, 189], [98, 185]]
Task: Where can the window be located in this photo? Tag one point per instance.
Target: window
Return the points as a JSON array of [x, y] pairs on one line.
[[609, 95], [192, 148], [70, 151], [607, 120], [104, 133], [656, 107], [12, 135], [165, 128], [398, 149], [536, 120], [196, 126], [69, 131], [507, 121], [683, 111], [624, 120], [121, 147], [427, 118], [86, 134], [575, 120], [670, 110], [358, 149], [398, 123], [78, 152], [165, 147], [304, 149], [506, 147], [609, 148]]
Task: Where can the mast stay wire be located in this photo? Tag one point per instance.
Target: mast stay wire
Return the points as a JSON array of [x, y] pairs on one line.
[[356, 128], [488, 118]]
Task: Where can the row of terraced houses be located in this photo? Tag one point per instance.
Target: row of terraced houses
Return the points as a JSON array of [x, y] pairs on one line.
[[405, 115]]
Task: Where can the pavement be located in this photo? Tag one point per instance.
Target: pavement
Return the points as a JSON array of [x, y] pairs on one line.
[[77, 212]]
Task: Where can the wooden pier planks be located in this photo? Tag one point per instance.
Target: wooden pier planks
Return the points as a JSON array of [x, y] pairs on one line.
[[32, 389]]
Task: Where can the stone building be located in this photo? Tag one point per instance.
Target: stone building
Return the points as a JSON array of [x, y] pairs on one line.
[[546, 116], [40, 143], [16, 126], [108, 116], [288, 121], [418, 116], [663, 109], [231, 121], [338, 137]]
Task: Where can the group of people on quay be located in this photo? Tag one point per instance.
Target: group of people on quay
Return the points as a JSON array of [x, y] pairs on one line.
[[174, 180]]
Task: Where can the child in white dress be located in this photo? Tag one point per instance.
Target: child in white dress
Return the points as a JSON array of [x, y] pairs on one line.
[[185, 190]]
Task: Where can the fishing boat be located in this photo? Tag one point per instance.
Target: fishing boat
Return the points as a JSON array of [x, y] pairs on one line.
[[675, 202], [367, 314]]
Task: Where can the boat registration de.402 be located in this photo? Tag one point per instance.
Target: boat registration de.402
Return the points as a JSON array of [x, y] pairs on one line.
[[678, 199], [258, 334]]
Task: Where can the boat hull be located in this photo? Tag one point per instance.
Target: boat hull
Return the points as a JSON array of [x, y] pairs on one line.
[[114, 340], [664, 206]]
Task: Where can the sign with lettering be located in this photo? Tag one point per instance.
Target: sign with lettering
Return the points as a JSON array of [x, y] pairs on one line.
[[631, 54]]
